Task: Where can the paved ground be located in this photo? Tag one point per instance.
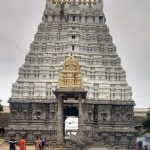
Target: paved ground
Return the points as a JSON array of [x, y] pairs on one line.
[[6, 147]]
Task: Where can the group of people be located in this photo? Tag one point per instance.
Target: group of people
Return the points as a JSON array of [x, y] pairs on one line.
[[40, 144], [13, 143]]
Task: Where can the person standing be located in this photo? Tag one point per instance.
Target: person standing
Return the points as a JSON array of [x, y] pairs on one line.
[[42, 144], [37, 143], [12, 143], [47, 144], [22, 143]]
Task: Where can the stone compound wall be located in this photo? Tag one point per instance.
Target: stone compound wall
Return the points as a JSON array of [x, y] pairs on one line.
[[109, 123]]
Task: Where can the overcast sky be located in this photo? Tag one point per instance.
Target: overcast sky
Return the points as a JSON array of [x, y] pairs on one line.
[[129, 24]]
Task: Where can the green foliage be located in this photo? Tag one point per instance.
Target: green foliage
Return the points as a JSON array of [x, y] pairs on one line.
[[1, 107], [146, 123], [148, 113]]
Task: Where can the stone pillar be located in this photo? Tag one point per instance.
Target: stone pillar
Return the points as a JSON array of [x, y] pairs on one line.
[[80, 120], [60, 120]]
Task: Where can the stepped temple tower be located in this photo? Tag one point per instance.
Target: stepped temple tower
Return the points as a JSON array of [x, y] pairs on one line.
[[73, 69]]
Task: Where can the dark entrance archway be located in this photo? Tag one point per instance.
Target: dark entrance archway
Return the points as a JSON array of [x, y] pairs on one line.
[[70, 111]]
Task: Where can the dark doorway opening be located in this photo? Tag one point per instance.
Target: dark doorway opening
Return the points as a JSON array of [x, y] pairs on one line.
[[70, 111], [2, 132]]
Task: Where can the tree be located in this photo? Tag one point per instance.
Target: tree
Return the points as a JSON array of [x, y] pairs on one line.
[[1, 107], [146, 123]]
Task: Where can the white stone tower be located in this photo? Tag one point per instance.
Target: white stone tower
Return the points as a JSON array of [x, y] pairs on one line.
[[85, 36], [78, 29]]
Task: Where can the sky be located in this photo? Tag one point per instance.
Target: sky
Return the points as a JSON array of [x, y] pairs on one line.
[[128, 21]]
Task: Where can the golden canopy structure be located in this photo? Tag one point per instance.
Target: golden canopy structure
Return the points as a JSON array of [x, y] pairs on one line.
[[70, 75]]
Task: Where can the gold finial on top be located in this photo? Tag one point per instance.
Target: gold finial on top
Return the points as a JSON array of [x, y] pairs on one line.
[[94, 2], [79, 2], [89, 2], [84, 2], [70, 75], [53, 2]]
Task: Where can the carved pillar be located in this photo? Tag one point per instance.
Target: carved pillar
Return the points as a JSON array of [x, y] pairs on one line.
[[60, 120], [80, 120]]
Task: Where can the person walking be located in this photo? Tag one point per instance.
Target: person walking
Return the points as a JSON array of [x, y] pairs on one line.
[[22, 143], [12, 143], [37, 143]]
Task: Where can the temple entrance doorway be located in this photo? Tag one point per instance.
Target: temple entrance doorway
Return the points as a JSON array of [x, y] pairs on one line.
[[70, 95], [70, 121]]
